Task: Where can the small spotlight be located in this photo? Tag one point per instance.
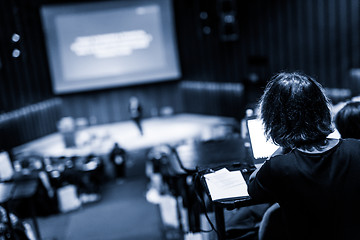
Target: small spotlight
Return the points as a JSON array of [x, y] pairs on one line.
[[16, 53], [203, 15], [15, 37], [229, 18], [206, 30]]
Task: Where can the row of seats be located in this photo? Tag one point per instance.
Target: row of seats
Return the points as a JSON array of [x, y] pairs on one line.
[[84, 174]]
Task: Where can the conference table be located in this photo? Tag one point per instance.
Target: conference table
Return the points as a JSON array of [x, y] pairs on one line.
[[188, 164]]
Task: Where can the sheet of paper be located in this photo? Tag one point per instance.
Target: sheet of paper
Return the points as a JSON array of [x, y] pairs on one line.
[[226, 184]]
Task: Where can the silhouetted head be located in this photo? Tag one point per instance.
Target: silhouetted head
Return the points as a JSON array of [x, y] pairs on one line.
[[347, 120], [295, 111], [134, 100]]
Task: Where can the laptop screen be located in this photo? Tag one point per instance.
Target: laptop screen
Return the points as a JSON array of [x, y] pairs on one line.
[[261, 148], [6, 168]]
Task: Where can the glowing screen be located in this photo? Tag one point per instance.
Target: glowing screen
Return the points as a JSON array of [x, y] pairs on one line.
[[107, 44]]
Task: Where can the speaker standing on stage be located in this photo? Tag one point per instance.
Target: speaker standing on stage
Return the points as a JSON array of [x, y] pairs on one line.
[[135, 110]]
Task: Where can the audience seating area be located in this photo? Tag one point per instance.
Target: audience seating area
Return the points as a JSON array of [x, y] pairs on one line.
[[71, 177]]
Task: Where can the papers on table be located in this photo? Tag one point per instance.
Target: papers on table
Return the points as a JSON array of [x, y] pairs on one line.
[[224, 184]]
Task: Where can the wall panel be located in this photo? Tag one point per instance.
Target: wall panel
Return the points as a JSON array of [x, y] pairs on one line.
[[320, 37]]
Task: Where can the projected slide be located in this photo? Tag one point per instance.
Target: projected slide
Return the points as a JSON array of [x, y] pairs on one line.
[[107, 44]]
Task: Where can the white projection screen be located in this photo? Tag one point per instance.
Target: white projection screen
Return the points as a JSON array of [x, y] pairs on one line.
[[97, 45]]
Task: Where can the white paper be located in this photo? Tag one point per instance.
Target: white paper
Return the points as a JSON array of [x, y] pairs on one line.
[[226, 184]]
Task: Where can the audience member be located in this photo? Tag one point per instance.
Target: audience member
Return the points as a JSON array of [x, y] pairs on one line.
[[315, 180], [347, 120], [118, 159]]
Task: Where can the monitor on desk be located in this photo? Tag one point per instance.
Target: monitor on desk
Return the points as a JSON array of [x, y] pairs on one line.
[[6, 167]]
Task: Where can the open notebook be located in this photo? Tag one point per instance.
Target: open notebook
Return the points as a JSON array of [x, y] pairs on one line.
[[225, 184], [261, 148]]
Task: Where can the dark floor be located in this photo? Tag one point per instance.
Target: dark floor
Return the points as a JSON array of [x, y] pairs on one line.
[[122, 214]]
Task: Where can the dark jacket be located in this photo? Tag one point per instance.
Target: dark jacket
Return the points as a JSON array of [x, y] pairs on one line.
[[319, 194]]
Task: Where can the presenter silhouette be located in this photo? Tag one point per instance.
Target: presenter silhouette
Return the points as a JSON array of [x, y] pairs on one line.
[[135, 110]]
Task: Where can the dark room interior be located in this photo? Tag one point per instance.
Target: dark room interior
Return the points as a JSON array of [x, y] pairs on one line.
[[63, 118]]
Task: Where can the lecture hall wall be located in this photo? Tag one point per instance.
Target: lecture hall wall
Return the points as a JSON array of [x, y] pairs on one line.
[[320, 37]]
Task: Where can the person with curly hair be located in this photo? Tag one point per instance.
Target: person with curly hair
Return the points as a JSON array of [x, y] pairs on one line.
[[314, 180]]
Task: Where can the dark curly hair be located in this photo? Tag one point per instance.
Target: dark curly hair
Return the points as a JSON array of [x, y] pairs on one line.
[[347, 120], [295, 111]]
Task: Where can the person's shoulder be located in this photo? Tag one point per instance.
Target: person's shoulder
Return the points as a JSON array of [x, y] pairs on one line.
[[350, 143], [350, 148], [280, 164], [280, 159], [283, 155]]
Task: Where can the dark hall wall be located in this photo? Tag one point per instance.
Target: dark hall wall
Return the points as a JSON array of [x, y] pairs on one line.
[[221, 41], [319, 37], [26, 79]]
